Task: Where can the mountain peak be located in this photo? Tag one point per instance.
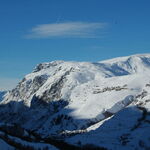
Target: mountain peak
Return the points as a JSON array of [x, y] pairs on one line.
[[124, 58], [64, 98]]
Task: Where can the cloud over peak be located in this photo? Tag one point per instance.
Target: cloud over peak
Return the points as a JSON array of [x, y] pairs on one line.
[[67, 29]]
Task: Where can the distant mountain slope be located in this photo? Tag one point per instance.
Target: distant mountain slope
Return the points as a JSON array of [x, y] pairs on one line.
[[61, 99], [2, 93]]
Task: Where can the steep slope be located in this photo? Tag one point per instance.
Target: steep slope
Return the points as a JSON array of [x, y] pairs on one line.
[[2, 93], [62, 99], [5, 146]]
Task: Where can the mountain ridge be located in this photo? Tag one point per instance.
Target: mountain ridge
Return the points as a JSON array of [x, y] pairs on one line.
[[63, 99]]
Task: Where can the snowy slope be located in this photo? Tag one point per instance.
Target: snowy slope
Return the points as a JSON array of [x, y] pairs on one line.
[[65, 98], [22, 144], [5, 146], [128, 129], [2, 93]]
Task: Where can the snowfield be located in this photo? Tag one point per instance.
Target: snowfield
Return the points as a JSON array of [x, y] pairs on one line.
[[105, 103]]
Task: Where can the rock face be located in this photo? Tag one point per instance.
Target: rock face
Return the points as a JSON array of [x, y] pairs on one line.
[[63, 99]]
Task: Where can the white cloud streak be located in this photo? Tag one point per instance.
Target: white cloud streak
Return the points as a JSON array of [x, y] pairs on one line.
[[67, 29]]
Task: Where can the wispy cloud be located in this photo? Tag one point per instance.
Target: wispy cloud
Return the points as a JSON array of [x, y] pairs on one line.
[[68, 29]]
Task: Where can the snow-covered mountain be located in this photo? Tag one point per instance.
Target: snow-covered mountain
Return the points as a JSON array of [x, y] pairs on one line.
[[2, 93], [104, 103]]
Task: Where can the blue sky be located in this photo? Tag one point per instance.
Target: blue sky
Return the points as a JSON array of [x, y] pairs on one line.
[[35, 31]]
